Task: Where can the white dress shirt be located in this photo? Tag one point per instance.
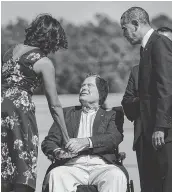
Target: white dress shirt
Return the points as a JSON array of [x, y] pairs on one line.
[[85, 131], [146, 37]]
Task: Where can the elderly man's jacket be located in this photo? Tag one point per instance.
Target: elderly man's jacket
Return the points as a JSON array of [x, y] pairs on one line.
[[105, 139], [107, 135]]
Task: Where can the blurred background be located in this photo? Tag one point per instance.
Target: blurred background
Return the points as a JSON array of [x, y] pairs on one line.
[[96, 44], [95, 38]]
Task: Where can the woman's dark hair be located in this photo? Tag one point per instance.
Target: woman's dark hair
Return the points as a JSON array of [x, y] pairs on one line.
[[46, 33], [102, 86]]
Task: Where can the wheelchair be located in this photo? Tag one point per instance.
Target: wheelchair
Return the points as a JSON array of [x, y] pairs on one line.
[[92, 188], [120, 155]]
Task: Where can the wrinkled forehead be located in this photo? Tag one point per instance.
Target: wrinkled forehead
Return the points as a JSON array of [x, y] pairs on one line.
[[90, 80]]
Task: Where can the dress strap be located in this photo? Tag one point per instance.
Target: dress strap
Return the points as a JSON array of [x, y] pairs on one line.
[[32, 56]]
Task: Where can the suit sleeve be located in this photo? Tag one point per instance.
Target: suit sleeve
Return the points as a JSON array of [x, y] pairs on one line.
[[162, 68], [130, 101], [108, 141], [52, 141]]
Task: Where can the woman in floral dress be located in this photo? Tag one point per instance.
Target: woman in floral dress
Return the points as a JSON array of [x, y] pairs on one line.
[[25, 67]]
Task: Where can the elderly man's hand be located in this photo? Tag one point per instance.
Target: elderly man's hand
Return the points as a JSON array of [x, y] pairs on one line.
[[158, 139], [75, 145]]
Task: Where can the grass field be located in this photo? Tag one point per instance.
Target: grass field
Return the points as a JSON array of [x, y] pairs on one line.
[[44, 121]]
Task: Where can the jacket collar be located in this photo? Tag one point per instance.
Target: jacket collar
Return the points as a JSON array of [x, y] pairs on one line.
[[151, 39], [77, 117], [98, 120], [147, 37]]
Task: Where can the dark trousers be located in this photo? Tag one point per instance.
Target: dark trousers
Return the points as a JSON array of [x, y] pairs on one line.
[[165, 162], [155, 167]]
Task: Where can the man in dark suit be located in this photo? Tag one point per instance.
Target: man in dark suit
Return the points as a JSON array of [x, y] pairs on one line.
[[94, 136], [131, 105], [155, 95]]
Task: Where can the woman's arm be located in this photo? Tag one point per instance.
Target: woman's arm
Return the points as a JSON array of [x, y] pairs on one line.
[[46, 68]]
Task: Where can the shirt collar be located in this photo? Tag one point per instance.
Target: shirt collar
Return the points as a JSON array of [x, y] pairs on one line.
[[86, 110], [146, 37]]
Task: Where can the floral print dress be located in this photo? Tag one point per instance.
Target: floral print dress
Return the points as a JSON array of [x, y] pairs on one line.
[[19, 133]]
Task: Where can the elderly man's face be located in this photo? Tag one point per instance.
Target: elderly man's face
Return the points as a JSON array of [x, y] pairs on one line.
[[130, 32], [89, 92]]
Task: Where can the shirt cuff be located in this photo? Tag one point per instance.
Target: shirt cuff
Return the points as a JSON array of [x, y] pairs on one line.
[[57, 149], [91, 144]]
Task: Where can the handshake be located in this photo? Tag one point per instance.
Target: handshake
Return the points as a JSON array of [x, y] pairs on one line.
[[72, 149], [60, 154]]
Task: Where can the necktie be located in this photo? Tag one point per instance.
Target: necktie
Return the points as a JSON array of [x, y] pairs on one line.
[[140, 64]]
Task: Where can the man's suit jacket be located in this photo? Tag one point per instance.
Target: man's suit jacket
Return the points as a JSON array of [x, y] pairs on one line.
[[131, 103], [155, 86], [105, 139]]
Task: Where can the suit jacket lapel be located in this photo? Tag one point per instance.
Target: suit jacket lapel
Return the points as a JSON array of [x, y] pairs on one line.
[[152, 38], [76, 120], [145, 59], [98, 120], [143, 51]]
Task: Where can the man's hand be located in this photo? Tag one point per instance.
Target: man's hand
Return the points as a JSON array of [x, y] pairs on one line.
[[158, 139], [75, 145]]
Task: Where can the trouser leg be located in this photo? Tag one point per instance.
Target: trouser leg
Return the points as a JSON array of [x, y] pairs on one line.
[[139, 148], [165, 163], [66, 178], [108, 178], [149, 169]]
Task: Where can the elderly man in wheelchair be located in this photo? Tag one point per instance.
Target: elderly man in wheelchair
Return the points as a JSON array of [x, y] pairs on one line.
[[89, 161]]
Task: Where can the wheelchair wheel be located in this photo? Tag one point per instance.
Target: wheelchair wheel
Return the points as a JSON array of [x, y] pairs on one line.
[[131, 186]]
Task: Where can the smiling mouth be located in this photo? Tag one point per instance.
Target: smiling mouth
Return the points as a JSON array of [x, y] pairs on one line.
[[83, 93]]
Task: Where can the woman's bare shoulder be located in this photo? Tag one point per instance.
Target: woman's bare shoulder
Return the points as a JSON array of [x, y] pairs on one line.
[[43, 64]]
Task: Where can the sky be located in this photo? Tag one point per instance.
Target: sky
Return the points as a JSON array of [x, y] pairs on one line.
[[78, 12]]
